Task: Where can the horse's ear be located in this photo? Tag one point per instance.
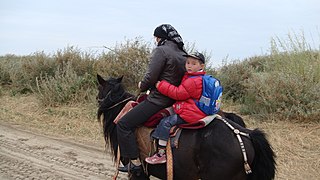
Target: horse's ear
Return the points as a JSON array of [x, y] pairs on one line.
[[100, 80], [120, 79]]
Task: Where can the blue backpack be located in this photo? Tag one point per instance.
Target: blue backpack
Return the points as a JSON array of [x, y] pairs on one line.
[[210, 99]]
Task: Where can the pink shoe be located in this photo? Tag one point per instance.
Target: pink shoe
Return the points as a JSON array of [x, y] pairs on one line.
[[157, 159]]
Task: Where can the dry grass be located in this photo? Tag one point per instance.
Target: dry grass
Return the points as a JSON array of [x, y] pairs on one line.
[[77, 122], [297, 145]]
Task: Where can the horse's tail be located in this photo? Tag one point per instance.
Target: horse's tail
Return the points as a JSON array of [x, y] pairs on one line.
[[264, 165]]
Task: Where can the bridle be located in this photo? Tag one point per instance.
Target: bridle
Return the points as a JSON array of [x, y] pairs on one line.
[[100, 100], [111, 100]]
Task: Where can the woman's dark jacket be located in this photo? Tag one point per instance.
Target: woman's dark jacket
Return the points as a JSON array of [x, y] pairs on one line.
[[167, 63]]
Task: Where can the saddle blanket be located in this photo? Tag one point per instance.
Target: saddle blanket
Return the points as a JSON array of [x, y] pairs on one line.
[[152, 122], [199, 124]]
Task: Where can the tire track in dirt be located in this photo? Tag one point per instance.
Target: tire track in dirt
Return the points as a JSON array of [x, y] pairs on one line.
[[26, 155]]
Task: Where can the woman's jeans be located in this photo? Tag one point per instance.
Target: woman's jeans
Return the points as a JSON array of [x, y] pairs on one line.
[[129, 122]]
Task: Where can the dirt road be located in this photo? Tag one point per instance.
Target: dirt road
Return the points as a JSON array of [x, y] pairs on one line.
[[27, 155]]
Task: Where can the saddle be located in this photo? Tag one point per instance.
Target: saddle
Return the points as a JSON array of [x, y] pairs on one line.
[[147, 146], [145, 143]]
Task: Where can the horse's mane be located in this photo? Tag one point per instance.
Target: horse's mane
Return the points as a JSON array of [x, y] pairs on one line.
[[109, 108]]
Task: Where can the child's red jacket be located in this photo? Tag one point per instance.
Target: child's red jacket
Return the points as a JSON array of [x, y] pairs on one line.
[[189, 89]]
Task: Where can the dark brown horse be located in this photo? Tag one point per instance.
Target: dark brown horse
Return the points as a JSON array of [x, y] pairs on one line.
[[212, 152]]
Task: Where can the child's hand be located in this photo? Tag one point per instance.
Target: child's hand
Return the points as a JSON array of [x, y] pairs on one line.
[[157, 84]]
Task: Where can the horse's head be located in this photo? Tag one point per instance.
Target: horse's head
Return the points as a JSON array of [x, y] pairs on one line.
[[109, 91]]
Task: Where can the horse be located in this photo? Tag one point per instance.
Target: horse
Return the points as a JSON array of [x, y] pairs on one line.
[[212, 152]]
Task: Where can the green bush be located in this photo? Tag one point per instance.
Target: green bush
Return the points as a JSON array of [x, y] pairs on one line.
[[4, 69], [82, 62], [232, 78], [65, 87], [129, 59], [20, 71], [289, 83], [69, 75]]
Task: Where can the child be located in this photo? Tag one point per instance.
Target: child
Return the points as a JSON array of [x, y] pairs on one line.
[[185, 108]]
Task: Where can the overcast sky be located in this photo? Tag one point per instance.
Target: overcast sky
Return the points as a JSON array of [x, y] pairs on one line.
[[233, 28]]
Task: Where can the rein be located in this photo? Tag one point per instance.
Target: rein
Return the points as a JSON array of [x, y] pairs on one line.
[[117, 104]]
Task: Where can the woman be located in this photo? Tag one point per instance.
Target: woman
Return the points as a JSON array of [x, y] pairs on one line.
[[167, 63]]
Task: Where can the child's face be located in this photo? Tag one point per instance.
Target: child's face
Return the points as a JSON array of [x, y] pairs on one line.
[[193, 65]]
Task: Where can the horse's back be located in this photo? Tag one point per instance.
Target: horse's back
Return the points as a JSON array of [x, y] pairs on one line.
[[213, 151]]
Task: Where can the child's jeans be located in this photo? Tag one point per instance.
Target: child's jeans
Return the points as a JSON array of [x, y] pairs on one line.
[[163, 129]]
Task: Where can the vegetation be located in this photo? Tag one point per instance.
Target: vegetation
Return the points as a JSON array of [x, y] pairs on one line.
[[283, 83]]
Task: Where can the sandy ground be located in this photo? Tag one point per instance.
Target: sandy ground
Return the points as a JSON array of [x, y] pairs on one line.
[[27, 155]]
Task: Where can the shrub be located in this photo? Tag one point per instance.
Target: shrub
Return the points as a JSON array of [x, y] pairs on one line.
[[64, 87], [82, 62], [20, 71], [129, 59], [232, 78], [4, 70], [289, 83]]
